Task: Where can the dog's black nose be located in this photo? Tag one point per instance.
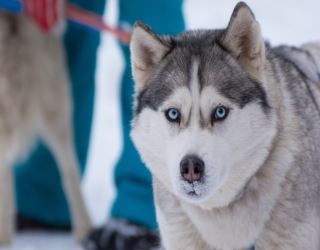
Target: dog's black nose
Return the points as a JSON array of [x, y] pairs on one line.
[[191, 168]]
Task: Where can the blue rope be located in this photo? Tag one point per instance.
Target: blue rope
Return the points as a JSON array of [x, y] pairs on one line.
[[319, 75], [11, 5]]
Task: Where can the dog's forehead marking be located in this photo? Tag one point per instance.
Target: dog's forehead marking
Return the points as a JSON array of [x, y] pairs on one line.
[[195, 89], [194, 81]]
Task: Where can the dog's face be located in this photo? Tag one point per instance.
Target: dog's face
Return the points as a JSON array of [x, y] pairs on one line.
[[203, 123]]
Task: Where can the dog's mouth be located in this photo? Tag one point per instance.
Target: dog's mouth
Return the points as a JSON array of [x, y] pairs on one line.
[[195, 189]]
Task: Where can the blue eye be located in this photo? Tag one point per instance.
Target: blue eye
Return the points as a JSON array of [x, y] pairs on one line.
[[220, 113], [173, 115]]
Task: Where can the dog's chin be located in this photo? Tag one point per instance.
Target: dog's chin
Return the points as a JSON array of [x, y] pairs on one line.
[[192, 192]]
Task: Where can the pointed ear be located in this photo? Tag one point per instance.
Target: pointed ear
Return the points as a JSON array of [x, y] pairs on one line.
[[244, 41], [147, 50]]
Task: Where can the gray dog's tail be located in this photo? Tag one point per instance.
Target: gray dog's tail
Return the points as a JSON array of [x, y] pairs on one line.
[[314, 49]]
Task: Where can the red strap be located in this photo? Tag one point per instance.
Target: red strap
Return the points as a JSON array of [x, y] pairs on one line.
[[94, 21], [45, 13]]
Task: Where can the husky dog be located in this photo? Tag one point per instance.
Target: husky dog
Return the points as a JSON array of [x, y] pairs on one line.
[[35, 100], [230, 129]]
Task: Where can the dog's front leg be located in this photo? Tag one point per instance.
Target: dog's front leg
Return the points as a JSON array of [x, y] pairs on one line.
[[7, 205], [176, 230]]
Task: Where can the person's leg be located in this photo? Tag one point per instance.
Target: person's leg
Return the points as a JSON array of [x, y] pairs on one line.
[[133, 219], [134, 200], [39, 193]]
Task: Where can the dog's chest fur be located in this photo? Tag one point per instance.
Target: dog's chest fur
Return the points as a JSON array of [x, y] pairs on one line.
[[223, 228]]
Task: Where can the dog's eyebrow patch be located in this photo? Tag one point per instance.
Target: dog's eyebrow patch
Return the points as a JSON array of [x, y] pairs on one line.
[[221, 71], [172, 73], [245, 91]]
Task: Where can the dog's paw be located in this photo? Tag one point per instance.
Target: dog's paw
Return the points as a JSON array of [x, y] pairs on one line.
[[81, 229]]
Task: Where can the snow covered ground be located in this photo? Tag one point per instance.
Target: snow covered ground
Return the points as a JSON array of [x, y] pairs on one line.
[[282, 21], [43, 241]]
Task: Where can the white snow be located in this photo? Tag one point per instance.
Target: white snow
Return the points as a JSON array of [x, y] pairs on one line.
[[288, 21], [42, 241]]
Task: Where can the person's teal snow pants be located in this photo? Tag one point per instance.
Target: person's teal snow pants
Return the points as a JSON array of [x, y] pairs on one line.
[[39, 193]]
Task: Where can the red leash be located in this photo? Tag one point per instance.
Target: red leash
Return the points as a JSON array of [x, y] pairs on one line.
[[49, 16], [94, 21]]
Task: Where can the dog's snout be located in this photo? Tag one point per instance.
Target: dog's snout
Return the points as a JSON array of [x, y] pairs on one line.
[[191, 168]]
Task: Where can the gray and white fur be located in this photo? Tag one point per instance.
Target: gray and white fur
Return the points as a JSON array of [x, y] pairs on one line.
[[256, 171]]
